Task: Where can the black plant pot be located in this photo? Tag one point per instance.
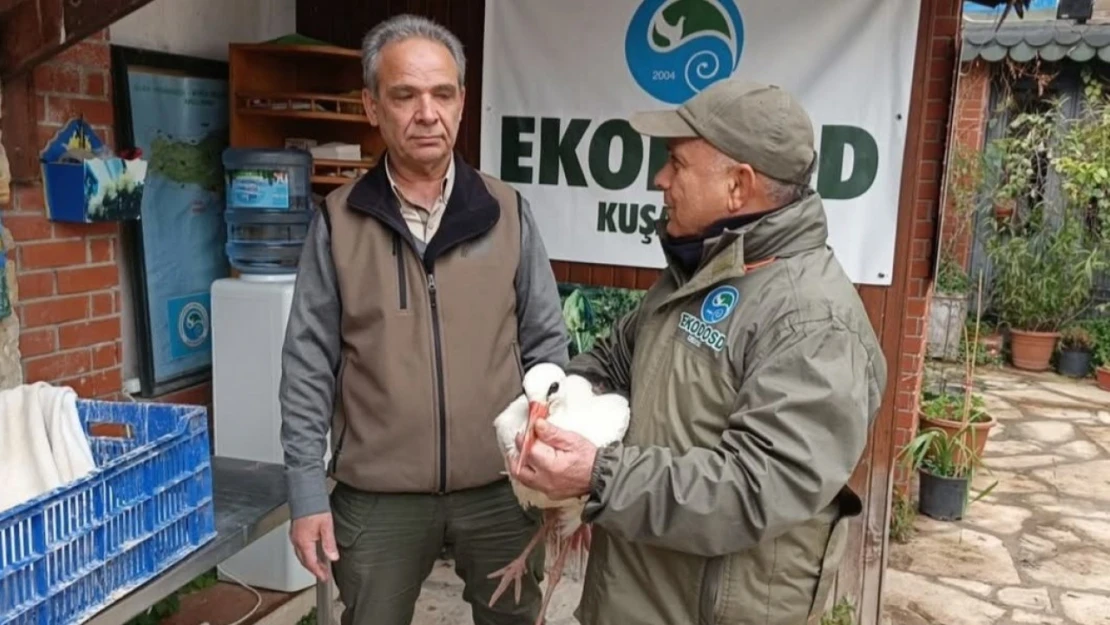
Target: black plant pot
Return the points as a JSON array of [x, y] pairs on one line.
[[1074, 363], [942, 498]]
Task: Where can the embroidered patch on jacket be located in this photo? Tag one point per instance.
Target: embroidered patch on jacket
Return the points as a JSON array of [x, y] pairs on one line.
[[716, 307]]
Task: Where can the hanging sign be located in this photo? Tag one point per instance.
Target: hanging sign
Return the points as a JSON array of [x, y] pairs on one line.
[[560, 79]]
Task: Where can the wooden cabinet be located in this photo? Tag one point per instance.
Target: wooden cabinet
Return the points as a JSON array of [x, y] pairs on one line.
[[282, 91]]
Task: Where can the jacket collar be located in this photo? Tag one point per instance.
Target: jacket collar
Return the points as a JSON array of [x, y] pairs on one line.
[[471, 209], [789, 231]]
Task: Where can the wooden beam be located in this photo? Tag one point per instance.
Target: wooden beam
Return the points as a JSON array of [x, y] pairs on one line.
[[8, 5], [33, 31], [20, 129]]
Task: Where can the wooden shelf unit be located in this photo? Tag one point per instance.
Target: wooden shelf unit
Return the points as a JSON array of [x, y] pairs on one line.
[[283, 91]]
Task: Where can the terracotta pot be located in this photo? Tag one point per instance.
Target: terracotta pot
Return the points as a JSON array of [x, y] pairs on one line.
[[992, 345], [1102, 376], [974, 437], [1004, 210], [1032, 351]]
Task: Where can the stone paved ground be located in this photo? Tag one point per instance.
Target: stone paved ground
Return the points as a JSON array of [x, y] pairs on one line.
[[1037, 549]]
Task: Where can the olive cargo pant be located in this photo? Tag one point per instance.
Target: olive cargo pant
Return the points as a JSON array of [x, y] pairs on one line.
[[388, 544]]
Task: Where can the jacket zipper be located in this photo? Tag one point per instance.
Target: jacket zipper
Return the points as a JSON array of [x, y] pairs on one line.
[[439, 385], [402, 284]]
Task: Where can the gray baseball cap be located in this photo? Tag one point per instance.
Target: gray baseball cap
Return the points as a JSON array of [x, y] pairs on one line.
[[758, 124]]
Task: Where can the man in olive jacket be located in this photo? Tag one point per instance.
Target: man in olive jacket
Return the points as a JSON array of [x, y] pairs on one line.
[[753, 374]]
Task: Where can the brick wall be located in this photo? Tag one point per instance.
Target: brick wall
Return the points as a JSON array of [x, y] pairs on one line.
[[906, 371], [972, 100], [67, 274]]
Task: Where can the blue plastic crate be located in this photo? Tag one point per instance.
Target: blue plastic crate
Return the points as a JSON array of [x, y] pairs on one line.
[[73, 551]]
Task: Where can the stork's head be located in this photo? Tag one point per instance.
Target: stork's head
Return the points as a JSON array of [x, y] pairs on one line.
[[541, 384]]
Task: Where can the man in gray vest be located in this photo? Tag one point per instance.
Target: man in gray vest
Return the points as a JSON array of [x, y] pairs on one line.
[[423, 294]]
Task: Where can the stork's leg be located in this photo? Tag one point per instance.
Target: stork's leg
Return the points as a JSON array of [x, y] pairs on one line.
[[575, 544], [513, 571]]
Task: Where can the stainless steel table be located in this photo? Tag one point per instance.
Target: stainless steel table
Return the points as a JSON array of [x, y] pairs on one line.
[[250, 500]]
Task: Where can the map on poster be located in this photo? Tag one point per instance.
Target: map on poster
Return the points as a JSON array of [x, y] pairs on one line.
[[181, 125]]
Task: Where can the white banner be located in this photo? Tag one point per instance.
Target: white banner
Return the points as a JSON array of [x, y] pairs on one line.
[[561, 77]]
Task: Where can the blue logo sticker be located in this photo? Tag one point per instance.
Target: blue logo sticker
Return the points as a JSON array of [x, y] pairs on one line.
[[719, 304], [676, 48], [190, 324]]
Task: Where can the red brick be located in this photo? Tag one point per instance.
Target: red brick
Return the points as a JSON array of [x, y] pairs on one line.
[[102, 304], [28, 227], [47, 132], [57, 78], [89, 333], [101, 250], [35, 285], [922, 229], [57, 366], [85, 279], [919, 251], [54, 311], [105, 356], [96, 85], [913, 344], [97, 385], [28, 198], [87, 54], [37, 342], [928, 171], [67, 230], [47, 255], [917, 307], [928, 189], [61, 109]]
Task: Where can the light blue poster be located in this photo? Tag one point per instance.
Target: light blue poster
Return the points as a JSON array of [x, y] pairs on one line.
[[181, 124]]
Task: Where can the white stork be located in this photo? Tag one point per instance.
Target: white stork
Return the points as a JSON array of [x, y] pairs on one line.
[[568, 402]]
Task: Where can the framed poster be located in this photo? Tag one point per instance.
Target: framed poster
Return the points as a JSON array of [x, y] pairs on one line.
[[174, 109]]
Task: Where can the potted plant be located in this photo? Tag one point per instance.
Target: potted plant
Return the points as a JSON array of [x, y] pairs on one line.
[[1074, 359], [1046, 258], [955, 408], [945, 467], [947, 311], [947, 451], [1100, 357], [948, 305], [990, 344], [945, 411]]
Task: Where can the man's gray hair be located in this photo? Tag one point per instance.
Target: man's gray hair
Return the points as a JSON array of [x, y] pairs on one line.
[[403, 27], [781, 193]]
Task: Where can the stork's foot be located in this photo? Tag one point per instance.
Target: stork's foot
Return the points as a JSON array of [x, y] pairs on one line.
[[510, 574], [578, 544], [514, 571]]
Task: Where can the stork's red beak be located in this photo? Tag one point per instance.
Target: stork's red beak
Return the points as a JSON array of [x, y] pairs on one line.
[[536, 411]]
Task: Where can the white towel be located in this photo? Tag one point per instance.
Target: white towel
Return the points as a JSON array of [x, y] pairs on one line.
[[42, 443]]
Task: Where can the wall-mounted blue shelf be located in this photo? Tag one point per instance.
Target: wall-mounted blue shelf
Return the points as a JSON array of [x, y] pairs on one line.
[[94, 189]]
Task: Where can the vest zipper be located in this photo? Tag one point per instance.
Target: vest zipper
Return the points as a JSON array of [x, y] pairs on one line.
[[439, 385], [402, 285]]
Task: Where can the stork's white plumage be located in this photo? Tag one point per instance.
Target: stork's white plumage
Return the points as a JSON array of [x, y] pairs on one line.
[[569, 403]]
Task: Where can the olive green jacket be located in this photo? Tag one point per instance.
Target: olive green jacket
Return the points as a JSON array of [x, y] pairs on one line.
[[753, 384]]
